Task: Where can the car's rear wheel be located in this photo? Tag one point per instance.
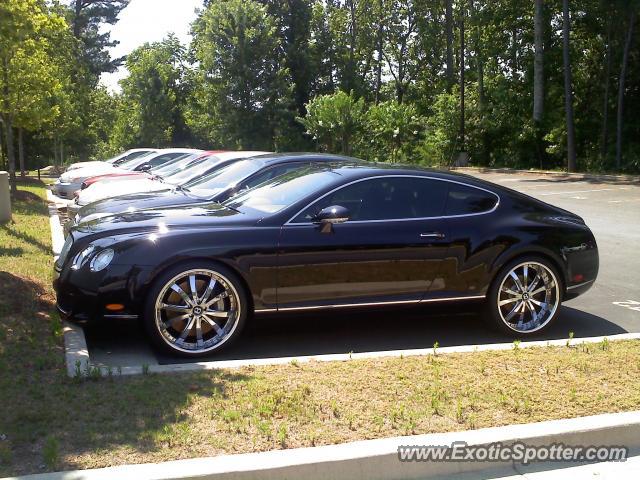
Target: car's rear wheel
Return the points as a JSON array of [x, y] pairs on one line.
[[195, 309], [525, 297]]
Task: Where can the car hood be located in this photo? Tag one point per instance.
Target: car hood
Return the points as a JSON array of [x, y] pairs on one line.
[[113, 187], [163, 220], [140, 201], [79, 174]]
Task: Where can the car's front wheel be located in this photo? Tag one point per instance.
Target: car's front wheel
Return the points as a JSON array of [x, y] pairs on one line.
[[195, 309], [525, 297]]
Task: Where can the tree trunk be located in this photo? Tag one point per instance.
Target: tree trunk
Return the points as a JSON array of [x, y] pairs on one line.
[[623, 75], [568, 89], [538, 64], [473, 16], [462, 53], [449, 35], [21, 152], [8, 130], [605, 104], [379, 40]]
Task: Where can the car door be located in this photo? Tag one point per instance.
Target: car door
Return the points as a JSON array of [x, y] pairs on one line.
[[390, 249]]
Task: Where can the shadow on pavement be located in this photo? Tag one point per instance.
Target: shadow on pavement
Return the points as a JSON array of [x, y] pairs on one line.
[[380, 330]]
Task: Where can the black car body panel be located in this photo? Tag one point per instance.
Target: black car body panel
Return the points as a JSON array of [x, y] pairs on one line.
[[286, 264]]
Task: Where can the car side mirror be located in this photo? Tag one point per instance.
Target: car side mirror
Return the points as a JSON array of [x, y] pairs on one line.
[[145, 167], [329, 216]]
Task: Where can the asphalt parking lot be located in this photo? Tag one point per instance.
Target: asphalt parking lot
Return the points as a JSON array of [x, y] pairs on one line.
[[610, 207]]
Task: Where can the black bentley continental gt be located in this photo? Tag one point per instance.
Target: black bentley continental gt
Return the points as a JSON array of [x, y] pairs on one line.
[[333, 235]]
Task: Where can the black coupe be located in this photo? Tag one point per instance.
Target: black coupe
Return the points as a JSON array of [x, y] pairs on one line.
[[327, 236]]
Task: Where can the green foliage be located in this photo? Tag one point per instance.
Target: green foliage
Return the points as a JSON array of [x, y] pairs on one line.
[[242, 95], [335, 121], [153, 95], [393, 131]]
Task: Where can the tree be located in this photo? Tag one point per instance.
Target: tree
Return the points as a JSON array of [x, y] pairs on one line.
[[27, 75], [88, 16], [153, 95], [633, 14], [243, 77], [449, 35], [568, 88], [335, 121]]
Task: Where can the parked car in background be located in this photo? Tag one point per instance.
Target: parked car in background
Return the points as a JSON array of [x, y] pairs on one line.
[[70, 182], [323, 237], [162, 170], [170, 176], [217, 185], [128, 155]]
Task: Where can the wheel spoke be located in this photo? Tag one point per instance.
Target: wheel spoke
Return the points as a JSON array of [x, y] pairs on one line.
[[535, 292], [508, 301], [175, 308], [516, 280], [216, 299], [534, 283], [536, 302], [212, 322], [187, 329], [513, 311], [217, 313], [176, 288], [194, 290], [525, 277], [510, 292], [199, 332], [207, 292]]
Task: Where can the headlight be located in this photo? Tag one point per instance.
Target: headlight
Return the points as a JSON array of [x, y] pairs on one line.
[[82, 257], [101, 260]]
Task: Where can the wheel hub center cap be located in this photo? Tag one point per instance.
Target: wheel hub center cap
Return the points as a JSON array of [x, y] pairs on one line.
[[197, 310], [525, 296]]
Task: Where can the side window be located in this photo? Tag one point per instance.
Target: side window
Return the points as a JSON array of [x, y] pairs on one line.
[[385, 198], [464, 200]]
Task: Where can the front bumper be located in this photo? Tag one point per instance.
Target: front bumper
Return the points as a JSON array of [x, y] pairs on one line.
[[82, 295], [65, 190]]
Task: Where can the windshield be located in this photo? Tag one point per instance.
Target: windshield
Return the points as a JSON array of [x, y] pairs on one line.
[[283, 191], [117, 161], [225, 177], [194, 171], [178, 165], [133, 162]]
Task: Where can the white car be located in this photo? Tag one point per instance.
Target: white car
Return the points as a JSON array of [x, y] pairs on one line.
[[197, 168], [71, 182], [128, 155]]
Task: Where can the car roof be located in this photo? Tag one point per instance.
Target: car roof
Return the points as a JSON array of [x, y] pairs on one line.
[[230, 155], [273, 158]]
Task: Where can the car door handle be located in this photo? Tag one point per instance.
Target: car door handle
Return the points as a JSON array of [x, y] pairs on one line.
[[432, 235]]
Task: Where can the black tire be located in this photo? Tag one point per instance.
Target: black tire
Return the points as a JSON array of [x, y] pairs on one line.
[[162, 324], [531, 324]]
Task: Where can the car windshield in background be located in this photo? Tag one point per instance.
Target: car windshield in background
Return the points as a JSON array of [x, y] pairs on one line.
[[130, 161], [126, 158], [283, 191], [225, 177], [177, 165], [193, 171]]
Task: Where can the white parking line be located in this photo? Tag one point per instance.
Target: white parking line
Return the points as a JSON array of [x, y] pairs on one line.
[[571, 192]]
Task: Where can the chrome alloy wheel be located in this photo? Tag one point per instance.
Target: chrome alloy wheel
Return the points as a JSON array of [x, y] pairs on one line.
[[197, 311], [528, 297]]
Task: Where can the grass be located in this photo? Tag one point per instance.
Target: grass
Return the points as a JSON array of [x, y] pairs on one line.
[[53, 422]]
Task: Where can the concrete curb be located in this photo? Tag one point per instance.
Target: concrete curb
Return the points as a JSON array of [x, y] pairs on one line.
[[341, 357], [585, 176], [377, 459]]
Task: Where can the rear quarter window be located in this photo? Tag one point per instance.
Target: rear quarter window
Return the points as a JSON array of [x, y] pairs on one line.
[[464, 200]]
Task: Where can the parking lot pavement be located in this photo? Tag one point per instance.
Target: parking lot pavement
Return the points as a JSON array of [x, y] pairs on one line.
[[610, 207]]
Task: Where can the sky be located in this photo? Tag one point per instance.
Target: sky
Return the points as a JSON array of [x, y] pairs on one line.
[[148, 21]]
